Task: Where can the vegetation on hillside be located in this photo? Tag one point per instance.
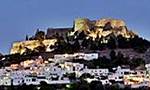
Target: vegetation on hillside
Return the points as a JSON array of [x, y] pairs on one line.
[[72, 44], [114, 61]]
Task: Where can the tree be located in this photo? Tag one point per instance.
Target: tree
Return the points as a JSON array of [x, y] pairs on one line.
[[112, 54], [72, 76], [45, 86], [76, 46], [40, 35], [122, 42], [82, 35], [139, 44], [26, 87], [85, 75], [115, 87], [83, 86], [85, 43], [135, 62], [112, 42], [73, 86], [102, 62], [94, 45], [96, 85], [101, 45], [119, 59]]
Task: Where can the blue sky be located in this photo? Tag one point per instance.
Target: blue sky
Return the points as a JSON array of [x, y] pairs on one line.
[[21, 17]]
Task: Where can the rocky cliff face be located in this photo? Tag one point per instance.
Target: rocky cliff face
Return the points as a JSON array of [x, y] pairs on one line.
[[21, 47], [101, 28]]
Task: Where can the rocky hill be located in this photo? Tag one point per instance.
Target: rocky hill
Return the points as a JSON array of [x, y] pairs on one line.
[[85, 36], [102, 34]]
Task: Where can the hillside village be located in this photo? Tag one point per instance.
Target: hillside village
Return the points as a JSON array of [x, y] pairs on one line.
[[103, 51], [59, 70]]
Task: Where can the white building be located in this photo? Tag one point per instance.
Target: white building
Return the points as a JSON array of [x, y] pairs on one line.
[[103, 81], [148, 69], [119, 73], [97, 72], [115, 77], [52, 79], [6, 81], [122, 71], [71, 67], [85, 56], [18, 76]]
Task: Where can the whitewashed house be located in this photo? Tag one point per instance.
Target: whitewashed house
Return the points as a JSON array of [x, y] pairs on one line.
[[5, 80], [122, 71], [106, 81], [115, 77], [36, 80], [118, 75], [91, 56], [97, 72], [103, 81], [64, 56], [148, 69], [85, 56], [69, 66]]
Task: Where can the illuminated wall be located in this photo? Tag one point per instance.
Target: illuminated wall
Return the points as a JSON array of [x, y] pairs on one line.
[[82, 24], [96, 28], [114, 22], [20, 47]]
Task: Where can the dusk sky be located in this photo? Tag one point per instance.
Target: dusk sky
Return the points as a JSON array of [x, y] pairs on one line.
[[21, 17]]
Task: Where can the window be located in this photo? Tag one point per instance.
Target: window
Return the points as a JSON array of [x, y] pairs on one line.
[[120, 77], [33, 79], [73, 68], [126, 73], [29, 80], [134, 73], [142, 72]]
